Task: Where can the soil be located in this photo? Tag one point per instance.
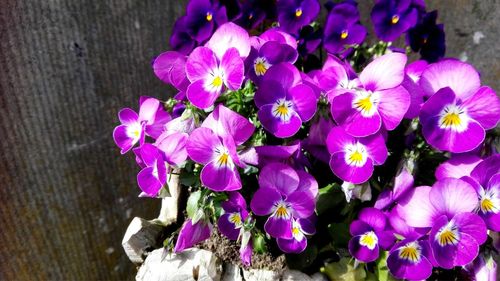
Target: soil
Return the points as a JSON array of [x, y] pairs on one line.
[[229, 252]]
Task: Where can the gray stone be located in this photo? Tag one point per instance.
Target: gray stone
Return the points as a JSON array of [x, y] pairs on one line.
[[232, 273], [295, 275], [140, 236], [191, 264], [318, 276], [260, 275]]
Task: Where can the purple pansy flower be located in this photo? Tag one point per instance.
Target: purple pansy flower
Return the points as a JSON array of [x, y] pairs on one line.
[[309, 40], [284, 194], [428, 38], [459, 111], [170, 67], [446, 208], [485, 178], [273, 34], [294, 14], [352, 159], [379, 100], [410, 259], [413, 71], [214, 145], [342, 28], [181, 41], [284, 102], [235, 214], [246, 248], [269, 54], [202, 16], [393, 17], [253, 12], [153, 176], [298, 242], [289, 154], [403, 184], [336, 77], [369, 233], [135, 126], [482, 269], [192, 233]]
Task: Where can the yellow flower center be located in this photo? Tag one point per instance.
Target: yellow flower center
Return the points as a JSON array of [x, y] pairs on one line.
[[282, 109], [395, 19], [487, 205], [260, 68], [356, 156], [410, 252], [369, 240], [448, 235], [281, 211], [217, 82], [295, 231], [298, 12], [344, 34], [235, 218], [451, 119], [209, 16], [364, 104], [223, 159]]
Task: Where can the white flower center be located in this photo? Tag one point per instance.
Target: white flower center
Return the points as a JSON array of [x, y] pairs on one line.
[[282, 210], [134, 131], [297, 232], [410, 252], [448, 235], [235, 218], [366, 102], [223, 158], [369, 240], [214, 81], [356, 154], [489, 202], [454, 118], [261, 65], [283, 110]]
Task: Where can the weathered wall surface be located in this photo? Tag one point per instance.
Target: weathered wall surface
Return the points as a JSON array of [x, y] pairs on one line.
[[66, 67]]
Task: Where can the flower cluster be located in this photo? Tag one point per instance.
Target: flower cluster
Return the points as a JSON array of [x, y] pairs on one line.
[[266, 135]]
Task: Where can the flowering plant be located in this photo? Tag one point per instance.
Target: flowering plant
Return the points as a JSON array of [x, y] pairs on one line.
[[270, 132]]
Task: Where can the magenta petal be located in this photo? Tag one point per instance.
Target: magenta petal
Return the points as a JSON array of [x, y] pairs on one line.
[[403, 269], [374, 218], [148, 182], [228, 228], [268, 93], [337, 139], [484, 107], [292, 246], [284, 73], [351, 119], [279, 227], [461, 77], [233, 68], [402, 183], [201, 145], [264, 200], [220, 177], [199, 96], [122, 140], [358, 227], [360, 252], [473, 225], [417, 210], [377, 150], [280, 177], [384, 72], [275, 125], [225, 122], [307, 183], [302, 204], [352, 174], [452, 196], [170, 67], [147, 111], [483, 172], [200, 63], [192, 234], [230, 35], [127, 116], [458, 166], [416, 100], [394, 104], [174, 147], [303, 100]]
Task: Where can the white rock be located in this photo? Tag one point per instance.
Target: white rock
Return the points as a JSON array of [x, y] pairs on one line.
[[140, 235], [170, 204], [318, 276], [232, 273], [294, 275], [191, 264], [260, 275]]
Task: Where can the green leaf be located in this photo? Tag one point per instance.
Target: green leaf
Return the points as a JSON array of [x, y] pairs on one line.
[[188, 179], [381, 269], [259, 244], [192, 203], [339, 233], [344, 270], [329, 196]]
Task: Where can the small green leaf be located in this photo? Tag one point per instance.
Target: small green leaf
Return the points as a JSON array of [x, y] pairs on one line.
[[329, 197], [344, 270], [259, 244], [381, 269], [192, 204]]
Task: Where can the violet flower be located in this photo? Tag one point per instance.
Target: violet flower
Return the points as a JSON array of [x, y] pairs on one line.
[[379, 100], [294, 14], [410, 259], [214, 145], [153, 176], [235, 214], [288, 154], [284, 102], [315, 142], [192, 233], [352, 159], [413, 71], [458, 166], [298, 242], [369, 233], [393, 17], [485, 178], [202, 16], [309, 40], [253, 13], [342, 28], [284, 194], [135, 126], [336, 77], [273, 34], [170, 67], [181, 41], [446, 208], [246, 248], [428, 38], [459, 111]]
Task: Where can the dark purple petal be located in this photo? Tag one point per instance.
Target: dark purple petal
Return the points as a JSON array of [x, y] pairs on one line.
[[361, 252], [122, 139], [374, 218], [263, 201], [406, 269], [301, 203], [268, 93], [192, 234], [346, 172], [228, 228], [275, 125], [279, 227], [219, 177], [307, 183], [359, 227], [292, 246], [284, 73]]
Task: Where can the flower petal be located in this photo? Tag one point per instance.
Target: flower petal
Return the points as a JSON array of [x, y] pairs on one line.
[[127, 116], [384, 72], [220, 177], [304, 101], [374, 218], [275, 125], [307, 183], [292, 246], [233, 68], [228, 228], [377, 150], [362, 253], [200, 62], [458, 166], [280, 177], [174, 147], [351, 119], [201, 145], [337, 139], [452, 196], [484, 107], [225, 122], [279, 227], [148, 182], [201, 97], [264, 200], [394, 104], [352, 174], [229, 35], [302, 204], [417, 209]]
